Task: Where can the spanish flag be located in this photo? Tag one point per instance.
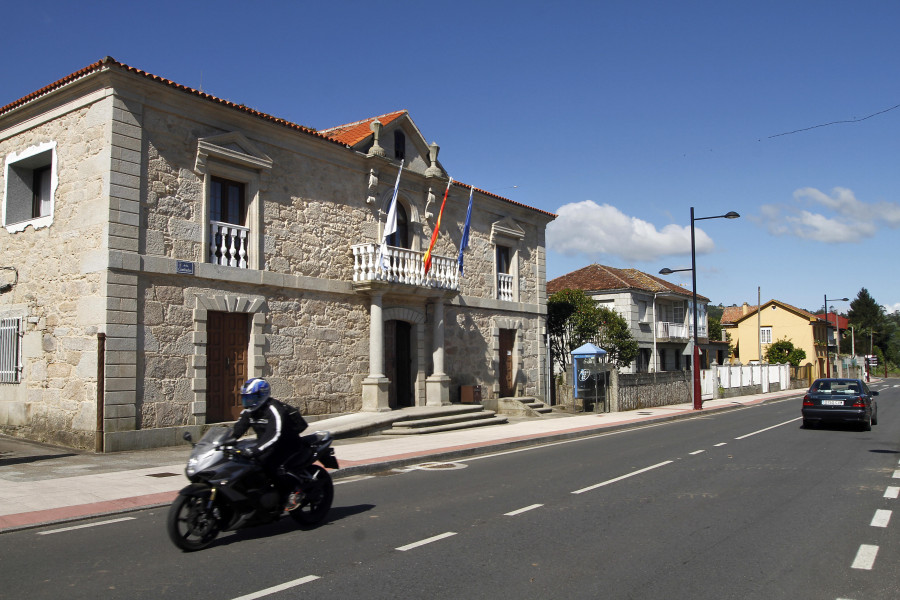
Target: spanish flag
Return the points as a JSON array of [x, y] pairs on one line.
[[437, 227]]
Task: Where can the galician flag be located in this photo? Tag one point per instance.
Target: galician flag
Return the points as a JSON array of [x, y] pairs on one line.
[[437, 227], [390, 226], [464, 242]]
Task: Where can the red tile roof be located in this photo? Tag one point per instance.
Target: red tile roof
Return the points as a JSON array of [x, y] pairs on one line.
[[353, 133], [733, 314], [843, 322], [337, 135], [597, 278]]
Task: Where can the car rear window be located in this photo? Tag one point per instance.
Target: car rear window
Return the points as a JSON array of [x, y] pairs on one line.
[[836, 387]]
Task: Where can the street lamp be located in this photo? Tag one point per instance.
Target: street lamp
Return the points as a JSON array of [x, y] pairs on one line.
[[837, 337], [698, 403]]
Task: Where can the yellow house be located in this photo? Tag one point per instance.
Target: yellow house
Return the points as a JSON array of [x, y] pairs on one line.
[[753, 329]]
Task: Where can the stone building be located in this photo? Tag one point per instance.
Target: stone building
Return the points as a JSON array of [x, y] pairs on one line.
[[161, 245]]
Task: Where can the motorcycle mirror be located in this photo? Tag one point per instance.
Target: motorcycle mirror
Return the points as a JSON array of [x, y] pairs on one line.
[[187, 437]]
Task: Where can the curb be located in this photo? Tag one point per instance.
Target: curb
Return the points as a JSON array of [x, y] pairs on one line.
[[134, 504]]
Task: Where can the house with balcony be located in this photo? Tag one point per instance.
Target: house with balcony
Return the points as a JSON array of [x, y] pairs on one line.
[[753, 328], [659, 313], [162, 245]]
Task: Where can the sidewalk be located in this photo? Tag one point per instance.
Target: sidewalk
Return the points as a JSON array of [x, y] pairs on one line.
[[41, 485]]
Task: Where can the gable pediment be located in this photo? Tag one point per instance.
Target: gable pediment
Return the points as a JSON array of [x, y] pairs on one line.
[[232, 148], [507, 229]]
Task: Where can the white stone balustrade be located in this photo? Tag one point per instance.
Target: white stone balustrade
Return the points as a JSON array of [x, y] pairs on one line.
[[228, 244], [677, 331], [504, 287], [404, 266]]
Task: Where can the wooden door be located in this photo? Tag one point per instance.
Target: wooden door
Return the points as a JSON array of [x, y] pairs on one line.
[[228, 338], [507, 345]]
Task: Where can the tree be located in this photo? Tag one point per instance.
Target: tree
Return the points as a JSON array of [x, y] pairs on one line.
[[574, 319], [715, 328], [868, 318], [783, 351]]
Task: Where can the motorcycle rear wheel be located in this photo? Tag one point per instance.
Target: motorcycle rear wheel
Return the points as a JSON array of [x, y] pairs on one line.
[[313, 510], [191, 526]]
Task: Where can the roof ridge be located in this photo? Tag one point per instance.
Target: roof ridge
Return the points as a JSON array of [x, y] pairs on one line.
[[367, 120]]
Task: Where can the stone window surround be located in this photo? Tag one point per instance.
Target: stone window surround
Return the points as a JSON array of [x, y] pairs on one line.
[[252, 305], [498, 323], [13, 158], [218, 156], [507, 232]]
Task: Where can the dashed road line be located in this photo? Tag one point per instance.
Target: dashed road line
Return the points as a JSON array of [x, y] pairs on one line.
[[897, 474], [521, 510], [766, 429], [620, 478], [881, 518], [278, 588], [865, 557], [696, 452], [892, 492], [86, 525], [426, 541], [720, 444]]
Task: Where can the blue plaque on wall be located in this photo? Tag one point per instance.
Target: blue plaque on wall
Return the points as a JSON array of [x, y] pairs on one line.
[[184, 267]]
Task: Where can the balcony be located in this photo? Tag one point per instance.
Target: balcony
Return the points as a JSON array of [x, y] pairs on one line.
[[504, 287], [228, 244], [672, 331], [403, 266]]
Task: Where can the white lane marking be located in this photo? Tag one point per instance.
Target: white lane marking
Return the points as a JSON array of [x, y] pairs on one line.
[[696, 452], [278, 588], [521, 510], [865, 557], [632, 474], [892, 492], [353, 478], [86, 525], [897, 474], [426, 541], [721, 444], [767, 428], [881, 518]]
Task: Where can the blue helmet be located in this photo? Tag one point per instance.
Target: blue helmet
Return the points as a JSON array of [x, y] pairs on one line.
[[254, 393]]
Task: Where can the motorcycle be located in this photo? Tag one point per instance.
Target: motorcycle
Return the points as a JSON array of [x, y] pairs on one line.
[[230, 491]]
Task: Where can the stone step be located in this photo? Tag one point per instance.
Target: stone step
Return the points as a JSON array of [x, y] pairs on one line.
[[493, 420], [455, 418]]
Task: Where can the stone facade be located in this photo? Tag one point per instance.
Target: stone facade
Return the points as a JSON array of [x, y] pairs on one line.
[[116, 292]]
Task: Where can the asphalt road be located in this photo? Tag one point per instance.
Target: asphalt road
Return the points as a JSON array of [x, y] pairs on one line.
[[741, 504]]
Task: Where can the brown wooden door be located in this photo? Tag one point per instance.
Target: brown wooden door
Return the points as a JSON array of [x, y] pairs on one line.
[[228, 337], [507, 344]]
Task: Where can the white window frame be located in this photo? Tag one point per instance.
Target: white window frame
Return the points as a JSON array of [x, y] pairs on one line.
[[10, 350], [27, 156], [678, 307], [765, 335]]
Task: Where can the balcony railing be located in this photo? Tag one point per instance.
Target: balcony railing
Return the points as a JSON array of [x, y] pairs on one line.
[[673, 331], [228, 244], [504, 286], [404, 266]]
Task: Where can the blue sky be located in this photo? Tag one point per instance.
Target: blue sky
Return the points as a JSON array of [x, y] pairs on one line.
[[618, 116]]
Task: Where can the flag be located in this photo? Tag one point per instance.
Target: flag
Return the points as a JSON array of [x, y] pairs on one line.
[[437, 226], [464, 242], [390, 226]]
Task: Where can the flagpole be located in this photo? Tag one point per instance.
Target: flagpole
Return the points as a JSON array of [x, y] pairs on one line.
[[437, 227], [390, 224]]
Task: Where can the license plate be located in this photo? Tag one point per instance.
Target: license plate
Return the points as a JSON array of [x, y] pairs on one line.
[[832, 402]]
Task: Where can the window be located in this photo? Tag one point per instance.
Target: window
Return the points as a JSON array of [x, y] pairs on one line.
[[400, 238], [678, 312], [227, 201], [642, 311], [30, 187], [399, 145], [765, 335], [10, 351], [504, 278]]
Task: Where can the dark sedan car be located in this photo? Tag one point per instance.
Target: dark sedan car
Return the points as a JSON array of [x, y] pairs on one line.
[[840, 401]]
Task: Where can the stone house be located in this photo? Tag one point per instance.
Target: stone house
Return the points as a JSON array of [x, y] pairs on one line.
[[658, 313], [754, 328], [161, 245]]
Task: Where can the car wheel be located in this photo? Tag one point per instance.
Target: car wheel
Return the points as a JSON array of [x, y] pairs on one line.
[[867, 424], [875, 418]]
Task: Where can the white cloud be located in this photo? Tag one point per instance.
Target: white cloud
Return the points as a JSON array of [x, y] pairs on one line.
[[845, 219], [892, 308], [586, 228]]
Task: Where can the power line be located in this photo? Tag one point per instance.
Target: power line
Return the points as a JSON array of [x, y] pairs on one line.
[[880, 112]]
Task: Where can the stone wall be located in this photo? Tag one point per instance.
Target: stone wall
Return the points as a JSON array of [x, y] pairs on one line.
[[60, 294]]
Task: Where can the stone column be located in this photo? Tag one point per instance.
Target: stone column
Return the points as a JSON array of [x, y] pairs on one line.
[[375, 386], [437, 385]]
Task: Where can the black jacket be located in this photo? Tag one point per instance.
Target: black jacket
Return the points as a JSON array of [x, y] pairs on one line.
[[276, 436]]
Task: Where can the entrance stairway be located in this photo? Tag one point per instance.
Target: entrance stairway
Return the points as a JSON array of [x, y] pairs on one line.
[[447, 418]]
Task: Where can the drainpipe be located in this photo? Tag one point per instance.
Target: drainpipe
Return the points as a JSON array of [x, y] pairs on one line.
[[101, 360]]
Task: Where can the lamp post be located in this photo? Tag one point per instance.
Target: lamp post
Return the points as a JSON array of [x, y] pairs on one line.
[[695, 360], [836, 338]]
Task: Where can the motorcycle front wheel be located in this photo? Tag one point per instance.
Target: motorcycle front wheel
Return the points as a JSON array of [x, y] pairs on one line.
[[190, 524], [314, 508]]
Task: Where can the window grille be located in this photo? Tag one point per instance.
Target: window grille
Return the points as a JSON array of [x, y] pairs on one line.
[[10, 350]]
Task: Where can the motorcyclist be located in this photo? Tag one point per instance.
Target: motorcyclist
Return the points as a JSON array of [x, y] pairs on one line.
[[277, 438]]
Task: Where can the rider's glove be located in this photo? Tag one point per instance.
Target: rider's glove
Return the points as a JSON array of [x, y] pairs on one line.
[[250, 452]]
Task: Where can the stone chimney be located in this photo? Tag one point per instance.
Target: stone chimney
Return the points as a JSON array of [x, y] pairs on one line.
[[745, 309]]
